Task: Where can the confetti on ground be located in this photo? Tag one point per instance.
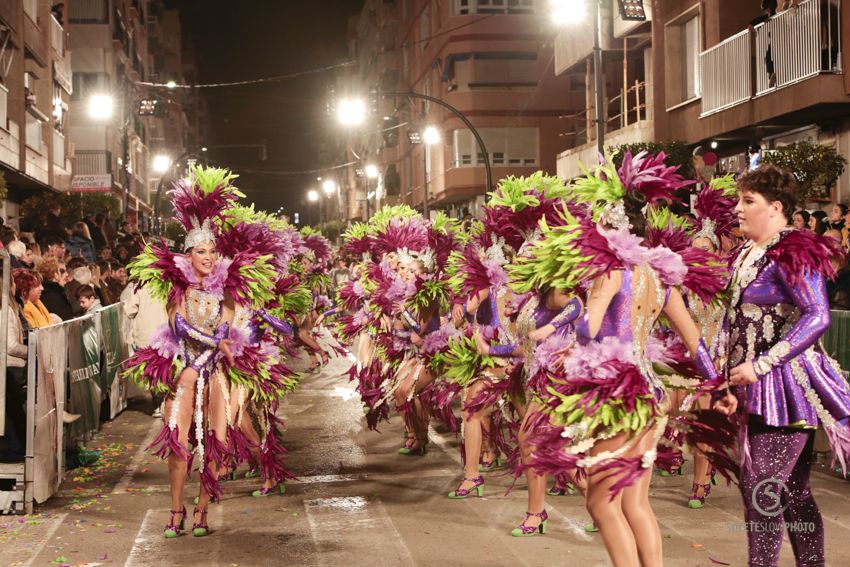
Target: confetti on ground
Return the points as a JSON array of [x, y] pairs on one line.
[[697, 545], [717, 561]]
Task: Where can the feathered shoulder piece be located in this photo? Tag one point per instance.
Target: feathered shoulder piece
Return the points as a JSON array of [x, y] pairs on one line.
[[714, 206], [800, 253], [291, 298], [644, 174], [517, 205], [314, 241], [443, 239], [573, 251], [358, 242], [701, 272]]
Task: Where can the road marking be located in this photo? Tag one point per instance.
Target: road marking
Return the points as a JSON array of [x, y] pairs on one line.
[[143, 543], [355, 526], [57, 521], [443, 445], [136, 462]]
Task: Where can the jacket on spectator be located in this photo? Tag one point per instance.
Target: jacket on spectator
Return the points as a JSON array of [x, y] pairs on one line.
[[37, 314], [81, 247], [56, 301], [15, 347], [144, 314]]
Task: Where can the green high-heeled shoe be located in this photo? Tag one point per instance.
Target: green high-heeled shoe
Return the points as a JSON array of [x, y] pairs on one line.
[[591, 528], [527, 531], [461, 493], [281, 488], [173, 530], [200, 528]]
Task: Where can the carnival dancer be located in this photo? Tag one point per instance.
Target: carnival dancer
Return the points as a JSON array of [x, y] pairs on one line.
[[608, 407], [186, 360], [512, 217], [715, 220], [785, 384]]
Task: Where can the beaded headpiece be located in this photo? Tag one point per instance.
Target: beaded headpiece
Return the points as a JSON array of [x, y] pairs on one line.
[[198, 234], [708, 231]]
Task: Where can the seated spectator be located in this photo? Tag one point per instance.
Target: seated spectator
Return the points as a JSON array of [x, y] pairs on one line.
[[817, 222], [80, 277], [17, 250], [801, 220], [104, 253], [122, 254], [838, 289], [836, 216], [87, 299], [117, 280], [55, 246], [105, 277], [54, 276], [35, 251], [96, 284], [12, 444], [79, 244], [28, 290]]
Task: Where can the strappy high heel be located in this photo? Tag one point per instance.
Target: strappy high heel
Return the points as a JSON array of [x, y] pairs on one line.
[[253, 472], [200, 528], [410, 451], [460, 493], [562, 490], [524, 530], [696, 502], [281, 488], [173, 530], [491, 465]]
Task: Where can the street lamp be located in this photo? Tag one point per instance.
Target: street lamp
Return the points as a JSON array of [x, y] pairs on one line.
[[312, 197], [161, 163], [101, 107], [328, 186], [351, 112], [572, 12], [371, 171]]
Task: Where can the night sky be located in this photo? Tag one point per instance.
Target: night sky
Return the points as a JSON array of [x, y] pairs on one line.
[[249, 39]]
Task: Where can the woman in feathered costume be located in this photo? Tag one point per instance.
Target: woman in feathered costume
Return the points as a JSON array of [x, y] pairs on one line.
[[543, 327], [785, 383], [186, 360], [512, 217], [715, 219], [608, 407]]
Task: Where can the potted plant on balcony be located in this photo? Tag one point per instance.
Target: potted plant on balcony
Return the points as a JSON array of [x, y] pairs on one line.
[[816, 167]]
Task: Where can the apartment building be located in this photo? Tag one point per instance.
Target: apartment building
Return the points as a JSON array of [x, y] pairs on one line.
[[705, 74], [35, 90], [111, 63], [492, 60]]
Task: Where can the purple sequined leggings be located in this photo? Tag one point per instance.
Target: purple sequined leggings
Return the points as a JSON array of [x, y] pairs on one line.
[[777, 497]]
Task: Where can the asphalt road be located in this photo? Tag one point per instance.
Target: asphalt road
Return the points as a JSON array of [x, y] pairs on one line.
[[357, 503]]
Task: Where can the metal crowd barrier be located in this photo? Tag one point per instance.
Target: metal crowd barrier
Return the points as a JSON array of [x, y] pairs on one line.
[[72, 367]]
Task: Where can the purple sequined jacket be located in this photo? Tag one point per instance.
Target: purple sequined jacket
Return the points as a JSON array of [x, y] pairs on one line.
[[777, 314]]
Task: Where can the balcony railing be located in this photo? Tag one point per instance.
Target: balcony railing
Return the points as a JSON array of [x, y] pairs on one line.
[[57, 36], [632, 105], [93, 162], [793, 46], [464, 7], [797, 44], [31, 9], [58, 149], [726, 74]]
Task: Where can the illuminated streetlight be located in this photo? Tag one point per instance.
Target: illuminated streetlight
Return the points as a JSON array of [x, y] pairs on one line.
[[351, 112], [171, 84], [101, 107], [430, 135], [328, 186], [312, 196], [564, 12], [204, 149], [371, 171], [161, 163]]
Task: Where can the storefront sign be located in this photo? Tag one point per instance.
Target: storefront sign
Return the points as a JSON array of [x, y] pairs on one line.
[[94, 183]]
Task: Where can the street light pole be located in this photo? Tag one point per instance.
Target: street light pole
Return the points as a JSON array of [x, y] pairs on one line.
[[487, 170], [425, 151], [598, 79]]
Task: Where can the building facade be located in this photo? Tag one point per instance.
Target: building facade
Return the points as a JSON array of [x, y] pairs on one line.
[[492, 61], [35, 93]]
